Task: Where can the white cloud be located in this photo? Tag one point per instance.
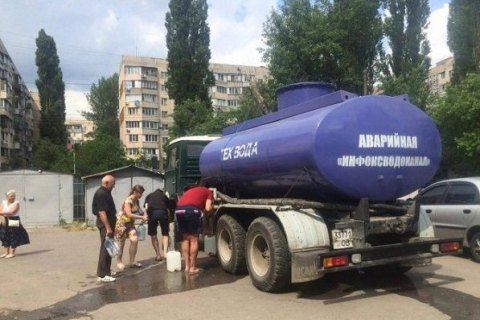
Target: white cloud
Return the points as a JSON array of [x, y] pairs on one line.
[[437, 34], [76, 102], [236, 29]]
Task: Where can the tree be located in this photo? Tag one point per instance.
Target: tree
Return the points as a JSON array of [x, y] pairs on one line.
[[51, 90], [103, 99], [464, 37], [49, 156], [100, 154], [408, 64], [457, 116], [332, 41], [188, 116], [188, 43]]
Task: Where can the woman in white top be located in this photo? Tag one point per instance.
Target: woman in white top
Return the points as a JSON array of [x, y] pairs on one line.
[[15, 234]]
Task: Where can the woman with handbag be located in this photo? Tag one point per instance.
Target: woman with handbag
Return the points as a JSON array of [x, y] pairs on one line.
[[15, 234]]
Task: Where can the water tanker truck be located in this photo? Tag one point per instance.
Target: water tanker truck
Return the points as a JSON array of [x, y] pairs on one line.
[[311, 188]]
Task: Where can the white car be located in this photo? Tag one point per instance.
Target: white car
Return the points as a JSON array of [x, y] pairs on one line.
[[454, 208]]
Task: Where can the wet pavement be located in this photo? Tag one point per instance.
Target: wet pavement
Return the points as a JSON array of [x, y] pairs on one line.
[[131, 285], [53, 278]]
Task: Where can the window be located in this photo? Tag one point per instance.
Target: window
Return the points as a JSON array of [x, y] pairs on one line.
[[194, 150], [132, 111], [132, 98], [464, 193], [163, 74], [164, 114], [149, 84], [133, 70], [133, 137], [149, 111], [132, 151], [433, 195], [221, 89], [150, 138], [164, 101], [150, 124], [172, 159], [234, 90], [149, 151], [149, 98], [233, 103], [164, 126], [164, 140], [132, 124], [149, 71]]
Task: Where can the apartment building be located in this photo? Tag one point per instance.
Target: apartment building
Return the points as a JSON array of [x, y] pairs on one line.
[[440, 76], [16, 116], [145, 109], [78, 130]]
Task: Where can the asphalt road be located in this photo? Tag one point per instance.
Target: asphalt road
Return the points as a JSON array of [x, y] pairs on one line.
[[54, 278]]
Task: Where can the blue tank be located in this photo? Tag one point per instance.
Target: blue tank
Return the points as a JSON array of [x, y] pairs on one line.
[[326, 145]]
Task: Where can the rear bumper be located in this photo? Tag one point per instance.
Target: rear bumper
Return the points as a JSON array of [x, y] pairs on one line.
[[308, 265]]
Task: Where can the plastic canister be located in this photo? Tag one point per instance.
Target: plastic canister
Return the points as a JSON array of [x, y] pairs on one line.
[[141, 232], [209, 245], [111, 246], [174, 261]]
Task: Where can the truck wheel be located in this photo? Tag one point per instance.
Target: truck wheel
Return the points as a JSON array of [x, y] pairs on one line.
[[231, 245], [268, 257], [475, 247]]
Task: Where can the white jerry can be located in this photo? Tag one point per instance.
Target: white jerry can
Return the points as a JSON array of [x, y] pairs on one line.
[[174, 261]]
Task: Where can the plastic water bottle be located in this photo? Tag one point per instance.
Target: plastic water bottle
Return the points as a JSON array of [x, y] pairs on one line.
[[111, 246], [141, 232]]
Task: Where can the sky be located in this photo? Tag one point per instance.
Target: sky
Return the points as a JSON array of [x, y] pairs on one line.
[[92, 35]]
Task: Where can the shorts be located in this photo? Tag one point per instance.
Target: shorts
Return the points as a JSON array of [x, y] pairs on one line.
[[189, 220], [154, 220]]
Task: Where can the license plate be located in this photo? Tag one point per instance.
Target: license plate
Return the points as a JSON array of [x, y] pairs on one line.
[[342, 238]]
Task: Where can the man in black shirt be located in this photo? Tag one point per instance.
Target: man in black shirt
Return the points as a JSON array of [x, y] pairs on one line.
[[157, 205], [104, 208]]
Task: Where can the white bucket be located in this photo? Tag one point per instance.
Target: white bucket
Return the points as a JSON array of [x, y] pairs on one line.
[[174, 261]]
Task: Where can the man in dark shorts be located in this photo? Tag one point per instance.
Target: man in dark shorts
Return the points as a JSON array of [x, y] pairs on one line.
[[103, 207], [188, 213], [156, 205]]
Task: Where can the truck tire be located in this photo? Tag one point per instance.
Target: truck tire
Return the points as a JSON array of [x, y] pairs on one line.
[[231, 245], [268, 257], [475, 247]]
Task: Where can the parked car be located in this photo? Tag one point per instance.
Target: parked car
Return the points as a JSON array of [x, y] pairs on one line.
[[454, 207]]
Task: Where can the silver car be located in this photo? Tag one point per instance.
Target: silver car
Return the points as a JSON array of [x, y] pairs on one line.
[[454, 208]]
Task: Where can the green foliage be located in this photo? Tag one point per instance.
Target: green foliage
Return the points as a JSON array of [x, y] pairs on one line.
[[457, 115], [140, 160], [100, 154], [188, 116], [188, 41], [51, 90], [464, 37], [323, 42], [49, 156], [413, 83], [103, 100], [405, 70]]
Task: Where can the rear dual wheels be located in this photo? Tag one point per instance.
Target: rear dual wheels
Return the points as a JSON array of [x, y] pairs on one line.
[[268, 257], [231, 245]]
